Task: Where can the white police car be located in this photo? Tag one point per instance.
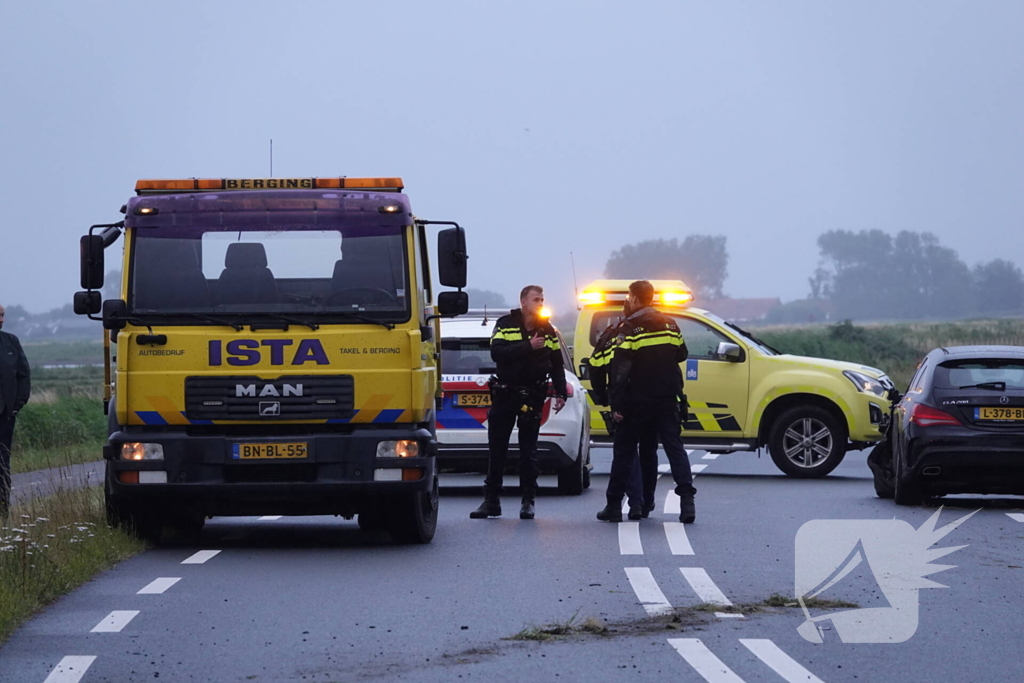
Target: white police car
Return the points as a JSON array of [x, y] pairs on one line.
[[563, 447]]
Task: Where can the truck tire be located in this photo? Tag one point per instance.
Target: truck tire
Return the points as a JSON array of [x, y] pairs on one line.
[[907, 490], [131, 522], [413, 519], [807, 442]]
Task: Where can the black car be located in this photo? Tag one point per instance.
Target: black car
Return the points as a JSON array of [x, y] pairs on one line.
[[958, 429]]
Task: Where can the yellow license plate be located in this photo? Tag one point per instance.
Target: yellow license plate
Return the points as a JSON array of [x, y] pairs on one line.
[[261, 451], [999, 414], [471, 400]]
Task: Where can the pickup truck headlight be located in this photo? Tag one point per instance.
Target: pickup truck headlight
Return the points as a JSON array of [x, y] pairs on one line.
[[865, 384], [398, 449], [142, 451]]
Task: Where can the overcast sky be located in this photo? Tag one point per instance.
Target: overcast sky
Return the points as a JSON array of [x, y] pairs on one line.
[[544, 128]]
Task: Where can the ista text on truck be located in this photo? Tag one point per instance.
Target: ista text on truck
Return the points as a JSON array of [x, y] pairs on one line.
[[742, 394], [273, 352]]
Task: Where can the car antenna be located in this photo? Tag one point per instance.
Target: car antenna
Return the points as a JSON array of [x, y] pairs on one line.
[[484, 323], [575, 287]]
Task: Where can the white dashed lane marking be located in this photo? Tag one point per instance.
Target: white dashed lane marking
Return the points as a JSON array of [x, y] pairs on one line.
[[711, 456], [672, 503], [647, 591], [703, 586], [699, 467], [269, 518], [1016, 516], [675, 532], [784, 665], [160, 585], [115, 621], [70, 669], [629, 539], [704, 661], [200, 557]]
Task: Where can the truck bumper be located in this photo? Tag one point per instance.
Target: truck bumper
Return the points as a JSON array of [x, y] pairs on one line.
[[201, 474]]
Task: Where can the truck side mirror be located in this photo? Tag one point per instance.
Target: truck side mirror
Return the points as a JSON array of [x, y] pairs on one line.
[[450, 304], [115, 314], [87, 303], [91, 258], [585, 369], [451, 258], [730, 352]]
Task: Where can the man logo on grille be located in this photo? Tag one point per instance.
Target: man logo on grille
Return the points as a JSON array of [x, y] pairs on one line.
[[270, 408], [893, 552]]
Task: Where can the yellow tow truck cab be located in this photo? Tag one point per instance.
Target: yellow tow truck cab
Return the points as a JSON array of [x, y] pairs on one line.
[[274, 352], [741, 393]]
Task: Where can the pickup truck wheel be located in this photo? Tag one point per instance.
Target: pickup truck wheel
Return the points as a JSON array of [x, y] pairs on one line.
[[413, 519], [807, 442]]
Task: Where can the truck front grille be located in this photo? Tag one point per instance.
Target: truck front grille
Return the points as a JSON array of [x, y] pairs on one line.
[[293, 397]]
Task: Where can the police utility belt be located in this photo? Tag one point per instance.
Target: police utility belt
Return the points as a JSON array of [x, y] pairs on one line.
[[502, 392]]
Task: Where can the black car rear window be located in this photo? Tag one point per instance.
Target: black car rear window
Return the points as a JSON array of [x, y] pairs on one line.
[[968, 373], [466, 357]]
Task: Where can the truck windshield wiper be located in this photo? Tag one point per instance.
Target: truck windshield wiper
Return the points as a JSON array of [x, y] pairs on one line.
[[753, 338], [995, 386], [237, 327], [294, 321], [363, 319]]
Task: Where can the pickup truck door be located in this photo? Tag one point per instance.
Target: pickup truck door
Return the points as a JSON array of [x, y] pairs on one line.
[[716, 389]]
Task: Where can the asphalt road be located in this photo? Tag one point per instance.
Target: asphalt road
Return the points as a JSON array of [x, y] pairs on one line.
[[316, 599]]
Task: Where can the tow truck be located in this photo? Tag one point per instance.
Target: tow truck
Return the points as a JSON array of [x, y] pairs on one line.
[[742, 394], [274, 351]]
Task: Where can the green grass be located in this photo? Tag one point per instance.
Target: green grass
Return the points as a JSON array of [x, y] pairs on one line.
[[64, 353], [65, 431], [51, 383], [52, 545]]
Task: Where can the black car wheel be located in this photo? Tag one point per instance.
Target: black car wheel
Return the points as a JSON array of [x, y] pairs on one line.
[[807, 442], [572, 480], [880, 462], [907, 489]]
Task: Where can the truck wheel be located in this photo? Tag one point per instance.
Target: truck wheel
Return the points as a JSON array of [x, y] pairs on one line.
[[907, 491], [143, 527], [807, 442], [413, 519]]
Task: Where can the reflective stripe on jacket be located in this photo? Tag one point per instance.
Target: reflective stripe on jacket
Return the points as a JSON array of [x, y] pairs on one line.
[[518, 363]]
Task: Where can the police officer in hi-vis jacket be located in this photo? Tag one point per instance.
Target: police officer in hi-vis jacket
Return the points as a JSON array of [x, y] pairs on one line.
[[527, 352]]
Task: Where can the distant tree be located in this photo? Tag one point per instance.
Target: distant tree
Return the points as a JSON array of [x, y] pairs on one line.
[[998, 286], [699, 260], [478, 298], [870, 274]]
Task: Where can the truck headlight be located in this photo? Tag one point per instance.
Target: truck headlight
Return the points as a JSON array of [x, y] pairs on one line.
[[865, 384], [142, 451], [398, 449]]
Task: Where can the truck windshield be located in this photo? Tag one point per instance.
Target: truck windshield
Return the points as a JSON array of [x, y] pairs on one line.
[[243, 273]]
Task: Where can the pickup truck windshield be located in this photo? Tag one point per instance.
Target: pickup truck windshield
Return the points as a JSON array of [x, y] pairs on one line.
[[243, 273]]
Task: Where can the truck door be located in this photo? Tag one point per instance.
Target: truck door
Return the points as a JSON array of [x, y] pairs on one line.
[[716, 389]]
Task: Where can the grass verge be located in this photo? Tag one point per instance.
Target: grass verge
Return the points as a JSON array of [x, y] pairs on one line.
[[52, 545], [32, 459], [66, 431]]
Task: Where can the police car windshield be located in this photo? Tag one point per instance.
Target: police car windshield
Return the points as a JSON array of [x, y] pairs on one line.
[[466, 357], [242, 274]]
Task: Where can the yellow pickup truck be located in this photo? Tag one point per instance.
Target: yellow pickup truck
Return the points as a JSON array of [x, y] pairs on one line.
[[742, 394]]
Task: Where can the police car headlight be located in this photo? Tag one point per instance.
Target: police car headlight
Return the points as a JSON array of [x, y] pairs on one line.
[[398, 449], [865, 384], [142, 451]]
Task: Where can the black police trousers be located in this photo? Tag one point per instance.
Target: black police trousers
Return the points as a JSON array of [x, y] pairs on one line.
[[509, 406], [643, 478], [662, 419], [6, 437]]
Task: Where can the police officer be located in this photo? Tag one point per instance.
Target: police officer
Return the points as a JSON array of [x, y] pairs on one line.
[[646, 390], [527, 351], [643, 479], [14, 391]]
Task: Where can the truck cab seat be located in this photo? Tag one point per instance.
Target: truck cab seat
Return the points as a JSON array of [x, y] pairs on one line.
[[179, 284], [246, 278]]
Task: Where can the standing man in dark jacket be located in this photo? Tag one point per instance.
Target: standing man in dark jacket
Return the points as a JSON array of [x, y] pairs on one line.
[[646, 393], [643, 479], [14, 392], [527, 351]]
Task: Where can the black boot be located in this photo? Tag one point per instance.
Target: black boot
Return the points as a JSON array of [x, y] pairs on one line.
[[646, 510], [687, 510], [612, 512], [491, 507], [527, 511], [636, 512]]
